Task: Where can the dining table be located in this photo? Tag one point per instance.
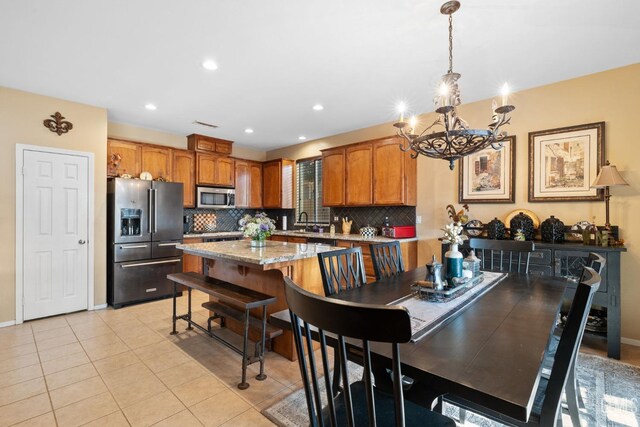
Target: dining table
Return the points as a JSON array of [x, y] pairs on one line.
[[489, 352]]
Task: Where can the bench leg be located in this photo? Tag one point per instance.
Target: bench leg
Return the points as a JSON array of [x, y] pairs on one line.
[[262, 376], [245, 342], [189, 327], [175, 293]]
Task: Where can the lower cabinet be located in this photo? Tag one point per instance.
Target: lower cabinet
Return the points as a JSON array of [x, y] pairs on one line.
[[191, 262], [566, 260]]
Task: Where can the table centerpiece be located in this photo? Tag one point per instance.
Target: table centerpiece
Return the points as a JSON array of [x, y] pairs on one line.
[[257, 227]]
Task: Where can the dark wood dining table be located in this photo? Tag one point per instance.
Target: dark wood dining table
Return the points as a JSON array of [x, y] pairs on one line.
[[490, 352]]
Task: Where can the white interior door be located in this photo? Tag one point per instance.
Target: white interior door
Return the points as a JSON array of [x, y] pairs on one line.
[[56, 229]]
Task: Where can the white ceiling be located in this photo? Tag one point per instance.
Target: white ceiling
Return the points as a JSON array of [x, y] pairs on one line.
[[278, 58]]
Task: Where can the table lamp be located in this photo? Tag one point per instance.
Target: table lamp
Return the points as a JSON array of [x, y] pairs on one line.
[[608, 177]]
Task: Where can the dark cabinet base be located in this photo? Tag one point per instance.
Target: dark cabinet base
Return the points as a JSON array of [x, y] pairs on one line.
[[566, 260]]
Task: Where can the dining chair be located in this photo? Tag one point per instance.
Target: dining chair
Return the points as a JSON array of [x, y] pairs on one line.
[[341, 270], [572, 388], [387, 259], [503, 255], [548, 398], [360, 403]]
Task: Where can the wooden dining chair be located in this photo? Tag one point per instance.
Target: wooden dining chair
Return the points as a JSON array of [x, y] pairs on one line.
[[547, 403], [503, 255], [572, 388], [360, 403], [341, 270], [387, 259]]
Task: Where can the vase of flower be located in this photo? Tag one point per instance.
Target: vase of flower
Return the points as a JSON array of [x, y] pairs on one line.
[[258, 228], [453, 257]]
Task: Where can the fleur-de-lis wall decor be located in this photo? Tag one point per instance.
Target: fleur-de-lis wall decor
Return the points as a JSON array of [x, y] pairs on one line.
[[57, 124]]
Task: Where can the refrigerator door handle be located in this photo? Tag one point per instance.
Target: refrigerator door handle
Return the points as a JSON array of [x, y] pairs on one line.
[[132, 246], [142, 264], [155, 211], [150, 213], [169, 244]]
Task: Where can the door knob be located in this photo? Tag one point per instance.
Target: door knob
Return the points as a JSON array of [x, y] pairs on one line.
[[82, 242]]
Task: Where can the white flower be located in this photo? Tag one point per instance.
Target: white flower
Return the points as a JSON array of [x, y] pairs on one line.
[[453, 234]]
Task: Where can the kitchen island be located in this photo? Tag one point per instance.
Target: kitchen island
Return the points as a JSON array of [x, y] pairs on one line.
[[263, 270]]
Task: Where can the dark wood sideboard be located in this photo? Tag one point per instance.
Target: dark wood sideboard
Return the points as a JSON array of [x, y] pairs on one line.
[[566, 260]]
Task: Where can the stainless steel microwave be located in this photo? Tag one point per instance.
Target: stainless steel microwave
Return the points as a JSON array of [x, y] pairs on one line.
[[216, 198]]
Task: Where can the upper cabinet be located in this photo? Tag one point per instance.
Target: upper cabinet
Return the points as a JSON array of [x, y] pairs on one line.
[[248, 184], [395, 174], [370, 173], [333, 172], [156, 161], [278, 184], [183, 170], [214, 170], [359, 178], [207, 144], [123, 157]]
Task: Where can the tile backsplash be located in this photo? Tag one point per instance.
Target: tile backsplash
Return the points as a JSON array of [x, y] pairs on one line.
[[227, 219], [374, 216]]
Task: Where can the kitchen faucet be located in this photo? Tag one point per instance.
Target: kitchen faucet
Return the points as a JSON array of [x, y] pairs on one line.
[[306, 223]]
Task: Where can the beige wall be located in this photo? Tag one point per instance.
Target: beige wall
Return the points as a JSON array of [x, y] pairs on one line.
[[134, 133], [21, 116], [612, 96]]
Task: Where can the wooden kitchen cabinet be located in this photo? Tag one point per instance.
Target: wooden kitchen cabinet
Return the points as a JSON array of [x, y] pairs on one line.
[[192, 262], [207, 144], [214, 170], [394, 174], [278, 184], [359, 175], [255, 196], [333, 177], [156, 161], [130, 154], [243, 183], [183, 170]]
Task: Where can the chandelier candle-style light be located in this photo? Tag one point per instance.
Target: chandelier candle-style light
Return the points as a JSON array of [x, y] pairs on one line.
[[457, 139]]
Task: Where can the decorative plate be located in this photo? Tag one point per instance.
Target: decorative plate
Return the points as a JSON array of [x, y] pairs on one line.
[[474, 228], [146, 176], [534, 217]]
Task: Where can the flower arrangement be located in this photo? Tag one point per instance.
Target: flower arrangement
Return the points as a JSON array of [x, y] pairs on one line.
[[258, 227], [453, 234]]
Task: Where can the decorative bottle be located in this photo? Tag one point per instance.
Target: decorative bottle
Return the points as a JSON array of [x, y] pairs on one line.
[[453, 259]]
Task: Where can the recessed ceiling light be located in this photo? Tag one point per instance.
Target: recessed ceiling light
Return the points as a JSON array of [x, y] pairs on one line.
[[209, 65], [318, 107], [248, 130], [150, 107], [302, 138]]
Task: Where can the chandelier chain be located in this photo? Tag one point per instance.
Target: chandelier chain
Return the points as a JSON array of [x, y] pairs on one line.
[[450, 43]]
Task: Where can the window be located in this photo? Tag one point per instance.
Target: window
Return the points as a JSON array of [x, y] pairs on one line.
[[309, 186]]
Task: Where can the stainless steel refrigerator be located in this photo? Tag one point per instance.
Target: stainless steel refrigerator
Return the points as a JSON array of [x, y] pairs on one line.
[[144, 227]]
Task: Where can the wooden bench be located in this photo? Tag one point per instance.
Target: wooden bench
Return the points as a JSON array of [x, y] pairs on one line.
[[243, 300]]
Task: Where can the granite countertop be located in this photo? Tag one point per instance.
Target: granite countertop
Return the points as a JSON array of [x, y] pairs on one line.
[[241, 250], [293, 233]]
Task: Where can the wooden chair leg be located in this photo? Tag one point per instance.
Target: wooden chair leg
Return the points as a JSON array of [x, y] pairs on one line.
[[572, 392]]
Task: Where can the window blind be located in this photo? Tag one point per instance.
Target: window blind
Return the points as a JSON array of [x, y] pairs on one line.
[[309, 186]]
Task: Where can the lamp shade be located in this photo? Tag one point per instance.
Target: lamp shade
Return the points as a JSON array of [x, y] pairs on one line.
[[608, 177]]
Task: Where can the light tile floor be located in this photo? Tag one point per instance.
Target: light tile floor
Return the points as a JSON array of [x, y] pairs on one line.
[[121, 367]]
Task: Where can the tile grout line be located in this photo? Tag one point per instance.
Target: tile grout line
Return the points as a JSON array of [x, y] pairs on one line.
[[44, 378]]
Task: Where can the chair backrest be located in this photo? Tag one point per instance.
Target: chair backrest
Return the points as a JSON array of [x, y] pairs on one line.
[[596, 262], [387, 259], [366, 322], [341, 270], [569, 345], [503, 255]]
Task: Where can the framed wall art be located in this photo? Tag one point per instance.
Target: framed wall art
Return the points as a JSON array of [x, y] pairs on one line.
[[564, 162], [488, 176]]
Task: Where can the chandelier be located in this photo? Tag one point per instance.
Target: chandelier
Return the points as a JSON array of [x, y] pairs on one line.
[[456, 140]]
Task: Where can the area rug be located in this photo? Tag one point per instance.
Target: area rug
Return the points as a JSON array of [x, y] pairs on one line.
[[611, 392]]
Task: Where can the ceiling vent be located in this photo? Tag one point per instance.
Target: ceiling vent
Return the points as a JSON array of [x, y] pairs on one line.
[[196, 122]]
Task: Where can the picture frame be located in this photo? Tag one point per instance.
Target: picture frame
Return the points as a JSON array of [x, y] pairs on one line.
[[488, 176], [563, 163]]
